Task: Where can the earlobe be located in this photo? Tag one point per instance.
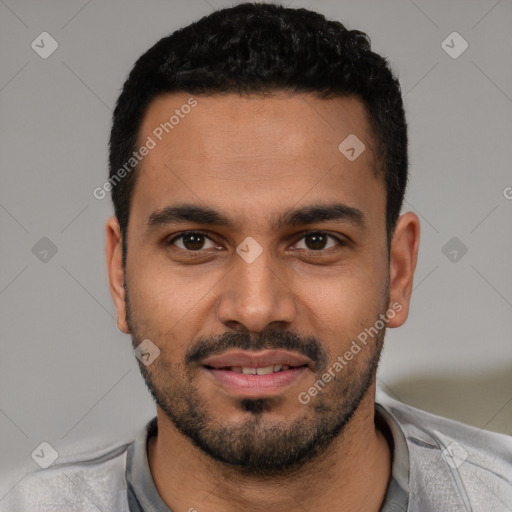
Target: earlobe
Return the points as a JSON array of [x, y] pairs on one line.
[[403, 258], [114, 257]]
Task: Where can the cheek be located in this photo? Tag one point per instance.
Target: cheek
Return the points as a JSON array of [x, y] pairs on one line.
[[341, 307], [166, 304], [162, 292], [346, 294]]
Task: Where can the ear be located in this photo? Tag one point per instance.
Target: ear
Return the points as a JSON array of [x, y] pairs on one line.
[[403, 257], [114, 254]]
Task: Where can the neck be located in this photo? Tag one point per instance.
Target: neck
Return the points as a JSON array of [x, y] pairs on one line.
[[352, 474]]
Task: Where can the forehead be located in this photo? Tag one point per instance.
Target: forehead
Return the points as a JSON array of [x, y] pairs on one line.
[[252, 157]]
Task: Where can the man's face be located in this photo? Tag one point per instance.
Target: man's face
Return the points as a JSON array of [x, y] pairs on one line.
[[260, 292]]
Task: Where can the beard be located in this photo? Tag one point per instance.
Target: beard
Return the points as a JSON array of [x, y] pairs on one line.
[[262, 442]]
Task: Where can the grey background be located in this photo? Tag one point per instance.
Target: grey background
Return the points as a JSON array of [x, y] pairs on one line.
[[67, 374]]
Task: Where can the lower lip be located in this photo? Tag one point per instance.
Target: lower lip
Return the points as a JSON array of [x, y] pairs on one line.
[[257, 385]]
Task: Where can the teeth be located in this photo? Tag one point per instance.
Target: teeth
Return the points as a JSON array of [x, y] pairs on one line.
[[265, 371], [260, 371]]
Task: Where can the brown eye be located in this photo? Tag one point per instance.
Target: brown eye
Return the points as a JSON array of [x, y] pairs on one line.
[[317, 240], [192, 241]]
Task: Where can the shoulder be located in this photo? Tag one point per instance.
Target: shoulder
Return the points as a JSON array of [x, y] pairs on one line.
[[451, 462], [80, 479]]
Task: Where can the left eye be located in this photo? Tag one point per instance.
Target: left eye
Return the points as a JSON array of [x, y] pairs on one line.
[[195, 241], [316, 241]]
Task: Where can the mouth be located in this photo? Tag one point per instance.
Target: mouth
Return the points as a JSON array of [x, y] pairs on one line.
[[265, 370], [257, 374]]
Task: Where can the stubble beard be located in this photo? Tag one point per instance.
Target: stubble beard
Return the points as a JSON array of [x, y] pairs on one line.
[[258, 444]]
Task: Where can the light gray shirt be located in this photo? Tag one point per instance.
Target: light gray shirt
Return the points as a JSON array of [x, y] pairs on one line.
[[439, 465]]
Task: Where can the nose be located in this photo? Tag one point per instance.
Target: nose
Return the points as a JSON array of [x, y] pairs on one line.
[[256, 296]]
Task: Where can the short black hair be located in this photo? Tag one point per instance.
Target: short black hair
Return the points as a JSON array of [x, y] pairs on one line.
[[257, 48]]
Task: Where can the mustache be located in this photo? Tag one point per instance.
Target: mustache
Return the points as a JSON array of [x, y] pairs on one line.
[[270, 339]]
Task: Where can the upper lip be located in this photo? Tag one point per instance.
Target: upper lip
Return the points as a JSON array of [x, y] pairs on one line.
[[260, 359]]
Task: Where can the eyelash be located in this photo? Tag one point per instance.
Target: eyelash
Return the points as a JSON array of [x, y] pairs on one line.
[[171, 241]]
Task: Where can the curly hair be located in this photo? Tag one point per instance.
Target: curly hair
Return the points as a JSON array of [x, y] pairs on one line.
[[255, 48]]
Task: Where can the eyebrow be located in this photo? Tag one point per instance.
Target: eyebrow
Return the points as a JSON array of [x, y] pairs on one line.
[[205, 215]]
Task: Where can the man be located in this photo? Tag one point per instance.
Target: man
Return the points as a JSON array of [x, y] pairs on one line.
[[258, 163]]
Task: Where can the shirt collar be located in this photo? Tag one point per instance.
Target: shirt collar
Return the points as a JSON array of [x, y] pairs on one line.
[[143, 495]]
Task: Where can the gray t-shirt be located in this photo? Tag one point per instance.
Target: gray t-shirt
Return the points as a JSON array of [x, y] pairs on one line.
[[143, 495], [439, 465]]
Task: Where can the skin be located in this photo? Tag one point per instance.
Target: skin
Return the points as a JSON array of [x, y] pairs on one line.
[[254, 158]]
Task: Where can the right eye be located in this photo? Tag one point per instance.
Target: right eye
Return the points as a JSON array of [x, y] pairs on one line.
[[192, 241]]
